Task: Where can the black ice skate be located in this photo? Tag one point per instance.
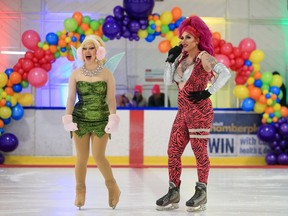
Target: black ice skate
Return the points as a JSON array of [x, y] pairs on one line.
[[170, 200], [199, 199]]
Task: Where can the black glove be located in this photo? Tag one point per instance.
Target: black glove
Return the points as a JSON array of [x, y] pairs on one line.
[[199, 95], [174, 53]]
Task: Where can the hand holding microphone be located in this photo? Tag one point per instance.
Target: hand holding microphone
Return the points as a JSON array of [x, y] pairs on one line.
[[174, 53]]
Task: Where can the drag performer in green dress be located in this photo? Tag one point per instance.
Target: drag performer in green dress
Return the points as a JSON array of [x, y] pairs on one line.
[[93, 118]]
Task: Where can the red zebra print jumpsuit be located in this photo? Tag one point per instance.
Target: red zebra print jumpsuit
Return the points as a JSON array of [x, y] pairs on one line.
[[192, 123]]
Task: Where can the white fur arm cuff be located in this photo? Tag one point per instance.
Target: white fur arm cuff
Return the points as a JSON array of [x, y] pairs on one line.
[[223, 76], [168, 73]]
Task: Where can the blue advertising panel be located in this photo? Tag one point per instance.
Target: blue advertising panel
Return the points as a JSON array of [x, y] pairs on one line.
[[234, 133]]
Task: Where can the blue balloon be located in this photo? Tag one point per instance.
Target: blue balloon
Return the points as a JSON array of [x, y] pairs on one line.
[[52, 38], [17, 112], [248, 63], [248, 104], [275, 90], [17, 88], [258, 83], [8, 71]]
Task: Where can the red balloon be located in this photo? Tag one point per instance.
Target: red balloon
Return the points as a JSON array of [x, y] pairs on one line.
[[39, 53], [29, 55], [37, 77], [226, 49], [30, 39], [27, 65], [240, 80], [47, 67], [236, 52], [239, 62]]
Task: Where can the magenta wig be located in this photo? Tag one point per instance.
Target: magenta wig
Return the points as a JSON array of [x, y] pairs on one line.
[[195, 26]]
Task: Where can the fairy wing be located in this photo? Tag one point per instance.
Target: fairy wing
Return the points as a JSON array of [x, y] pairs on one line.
[[77, 62], [113, 62]]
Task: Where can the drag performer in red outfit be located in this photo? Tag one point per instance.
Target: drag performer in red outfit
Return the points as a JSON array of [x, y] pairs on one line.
[[192, 66]]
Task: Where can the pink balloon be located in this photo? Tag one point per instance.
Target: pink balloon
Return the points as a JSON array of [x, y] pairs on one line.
[[30, 39], [223, 59], [247, 44], [37, 77]]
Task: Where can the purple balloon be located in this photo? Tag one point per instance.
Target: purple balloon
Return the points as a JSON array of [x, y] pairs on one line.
[[283, 159], [8, 142], [118, 12], [138, 9], [271, 159], [283, 144], [266, 133], [111, 28], [2, 158], [283, 129], [134, 26]]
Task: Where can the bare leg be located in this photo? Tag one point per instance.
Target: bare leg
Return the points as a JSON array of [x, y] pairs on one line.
[[82, 155], [98, 152]]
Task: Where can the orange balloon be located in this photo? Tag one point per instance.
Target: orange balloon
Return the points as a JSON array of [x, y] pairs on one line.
[[84, 26], [269, 109], [53, 48], [284, 111], [62, 43], [176, 13], [164, 46], [255, 93], [78, 17], [216, 35], [2, 102], [9, 91], [15, 77], [1, 123], [262, 99], [257, 75]]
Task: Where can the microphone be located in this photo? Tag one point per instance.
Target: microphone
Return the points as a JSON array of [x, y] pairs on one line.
[[178, 50]]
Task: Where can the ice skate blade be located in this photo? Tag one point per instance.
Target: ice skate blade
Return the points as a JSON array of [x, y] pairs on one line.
[[196, 209], [168, 207]]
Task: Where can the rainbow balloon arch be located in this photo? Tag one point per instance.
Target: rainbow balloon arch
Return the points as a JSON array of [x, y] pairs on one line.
[[259, 91]]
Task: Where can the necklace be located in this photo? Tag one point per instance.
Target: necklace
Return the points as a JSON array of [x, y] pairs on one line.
[[91, 73]]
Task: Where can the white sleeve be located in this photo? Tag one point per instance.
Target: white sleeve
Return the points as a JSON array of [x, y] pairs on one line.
[[169, 73], [223, 76]]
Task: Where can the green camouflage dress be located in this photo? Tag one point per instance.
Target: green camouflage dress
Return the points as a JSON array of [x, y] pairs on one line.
[[91, 111]]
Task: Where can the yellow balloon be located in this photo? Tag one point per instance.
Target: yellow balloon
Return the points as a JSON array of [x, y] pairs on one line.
[[25, 99], [250, 80], [142, 33], [5, 112], [241, 91], [166, 18], [3, 79], [259, 108], [13, 101], [257, 56], [169, 35], [175, 41], [276, 81], [256, 67]]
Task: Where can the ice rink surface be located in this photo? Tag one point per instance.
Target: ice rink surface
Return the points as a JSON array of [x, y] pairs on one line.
[[231, 191]]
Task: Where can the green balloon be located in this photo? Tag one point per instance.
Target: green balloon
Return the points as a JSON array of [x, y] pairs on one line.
[[267, 77], [265, 87], [24, 83], [80, 31], [86, 19], [70, 24], [94, 25]]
